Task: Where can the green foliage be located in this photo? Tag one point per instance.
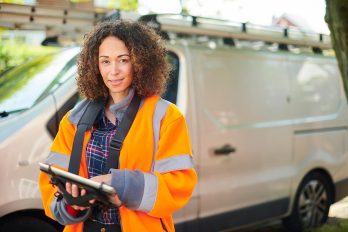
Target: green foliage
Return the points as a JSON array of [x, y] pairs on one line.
[[129, 5], [13, 1], [14, 52], [126, 5], [19, 77], [4, 58], [334, 225]]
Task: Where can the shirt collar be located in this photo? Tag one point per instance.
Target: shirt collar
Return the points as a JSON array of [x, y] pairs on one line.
[[120, 108]]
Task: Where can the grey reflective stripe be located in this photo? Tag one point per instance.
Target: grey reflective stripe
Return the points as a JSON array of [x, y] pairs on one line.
[[53, 207], [58, 159], [78, 110], [178, 162], [150, 192], [59, 212], [160, 111]]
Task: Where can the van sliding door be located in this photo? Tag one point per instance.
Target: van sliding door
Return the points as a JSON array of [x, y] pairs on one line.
[[245, 136]]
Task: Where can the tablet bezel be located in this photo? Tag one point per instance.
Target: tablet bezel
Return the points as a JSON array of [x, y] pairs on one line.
[[79, 180]]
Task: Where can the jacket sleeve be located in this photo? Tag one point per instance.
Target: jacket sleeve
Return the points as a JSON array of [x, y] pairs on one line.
[[59, 157], [170, 185]]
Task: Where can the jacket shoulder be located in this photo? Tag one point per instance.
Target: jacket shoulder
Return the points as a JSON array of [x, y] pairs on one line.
[[172, 109], [77, 112]]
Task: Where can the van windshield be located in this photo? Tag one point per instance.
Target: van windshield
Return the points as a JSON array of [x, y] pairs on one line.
[[22, 86]]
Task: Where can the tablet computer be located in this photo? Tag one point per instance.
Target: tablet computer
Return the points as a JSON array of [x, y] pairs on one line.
[[80, 181]]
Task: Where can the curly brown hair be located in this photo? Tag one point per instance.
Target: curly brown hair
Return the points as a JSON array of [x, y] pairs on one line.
[[148, 56]]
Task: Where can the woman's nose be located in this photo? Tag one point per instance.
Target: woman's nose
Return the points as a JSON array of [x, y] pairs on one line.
[[115, 68]]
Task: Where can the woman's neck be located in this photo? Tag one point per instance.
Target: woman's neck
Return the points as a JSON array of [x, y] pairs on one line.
[[116, 102], [117, 97]]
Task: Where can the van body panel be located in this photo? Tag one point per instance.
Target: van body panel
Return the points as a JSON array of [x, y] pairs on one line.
[[319, 110], [20, 154], [316, 93], [248, 115]]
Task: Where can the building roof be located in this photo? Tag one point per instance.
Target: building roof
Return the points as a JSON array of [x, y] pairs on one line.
[[292, 20]]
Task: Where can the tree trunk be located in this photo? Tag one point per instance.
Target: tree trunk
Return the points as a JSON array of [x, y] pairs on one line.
[[337, 19]]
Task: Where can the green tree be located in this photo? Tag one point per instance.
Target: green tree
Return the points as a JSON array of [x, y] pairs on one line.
[[4, 57], [130, 5], [337, 20]]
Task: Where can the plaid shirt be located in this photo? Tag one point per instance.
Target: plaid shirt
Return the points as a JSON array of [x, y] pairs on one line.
[[97, 153]]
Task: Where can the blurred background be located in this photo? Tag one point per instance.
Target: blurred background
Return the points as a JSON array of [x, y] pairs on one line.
[[19, 42]]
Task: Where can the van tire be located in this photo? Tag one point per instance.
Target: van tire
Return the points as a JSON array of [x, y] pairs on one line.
[[27, 223], [312, 203]]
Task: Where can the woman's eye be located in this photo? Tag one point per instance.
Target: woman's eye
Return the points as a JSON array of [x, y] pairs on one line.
[[104, 61], [123, 60]]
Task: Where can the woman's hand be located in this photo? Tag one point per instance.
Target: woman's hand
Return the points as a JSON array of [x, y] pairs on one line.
[[107, 180], [74, 191], [103, 179]]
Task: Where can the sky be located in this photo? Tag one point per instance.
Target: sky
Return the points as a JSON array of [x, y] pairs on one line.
[[309, 12]]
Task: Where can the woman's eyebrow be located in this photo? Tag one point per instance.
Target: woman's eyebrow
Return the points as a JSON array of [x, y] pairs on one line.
[[105, 56], [123, 55]]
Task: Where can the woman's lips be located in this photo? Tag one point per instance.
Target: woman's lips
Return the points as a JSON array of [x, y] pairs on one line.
[[115, 82]]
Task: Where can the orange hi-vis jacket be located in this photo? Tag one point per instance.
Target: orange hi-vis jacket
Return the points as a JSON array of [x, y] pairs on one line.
[[158, 146]]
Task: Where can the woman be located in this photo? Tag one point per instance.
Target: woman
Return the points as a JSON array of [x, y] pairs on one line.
[[155, 175]]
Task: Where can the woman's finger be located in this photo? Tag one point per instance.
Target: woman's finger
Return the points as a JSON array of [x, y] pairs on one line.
[[92, 201], [83, 192], [74, 190], [78, 207], [68, 187]]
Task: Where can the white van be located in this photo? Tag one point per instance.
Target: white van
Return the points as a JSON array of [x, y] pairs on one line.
[[268, 126]]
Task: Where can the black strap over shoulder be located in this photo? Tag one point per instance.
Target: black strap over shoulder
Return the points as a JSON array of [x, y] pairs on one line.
[[117, 141], [86, 122]]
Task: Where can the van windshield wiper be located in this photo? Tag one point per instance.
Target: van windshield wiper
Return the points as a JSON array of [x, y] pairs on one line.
[[5, 113]]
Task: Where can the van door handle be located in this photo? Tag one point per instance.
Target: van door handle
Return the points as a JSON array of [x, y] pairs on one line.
[[224, 150]]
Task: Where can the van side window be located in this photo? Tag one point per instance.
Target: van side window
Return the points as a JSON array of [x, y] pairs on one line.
[[172, 87]]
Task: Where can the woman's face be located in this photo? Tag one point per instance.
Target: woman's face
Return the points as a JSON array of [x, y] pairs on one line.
[[115, 67]]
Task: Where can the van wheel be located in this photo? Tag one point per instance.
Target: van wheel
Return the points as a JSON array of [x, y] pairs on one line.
[[312, 203], [27, 223]]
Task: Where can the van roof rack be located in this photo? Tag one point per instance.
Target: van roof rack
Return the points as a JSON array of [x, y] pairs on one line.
[[66, 23], [44, 17], [74, 23], [189, 24]]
